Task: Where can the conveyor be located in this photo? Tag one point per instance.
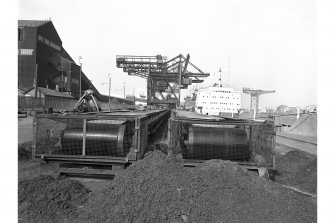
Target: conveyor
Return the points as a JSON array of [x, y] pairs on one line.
[[208, 142]]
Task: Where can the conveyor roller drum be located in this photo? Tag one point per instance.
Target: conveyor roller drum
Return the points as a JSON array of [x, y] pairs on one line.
[[103, 138], [208, 142]]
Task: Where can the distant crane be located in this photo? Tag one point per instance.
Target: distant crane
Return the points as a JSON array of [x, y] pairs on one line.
[[255, 97]]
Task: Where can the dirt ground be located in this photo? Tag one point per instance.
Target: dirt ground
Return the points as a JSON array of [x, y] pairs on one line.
[[25, 129], [298, 169], [159, 189]]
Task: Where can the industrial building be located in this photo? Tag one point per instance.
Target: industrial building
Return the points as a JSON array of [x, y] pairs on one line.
[[42, 56]]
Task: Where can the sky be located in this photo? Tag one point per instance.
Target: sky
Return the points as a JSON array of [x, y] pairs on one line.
[[268, 44]]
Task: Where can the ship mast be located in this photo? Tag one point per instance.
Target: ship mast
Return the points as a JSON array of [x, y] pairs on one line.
[[220, 78], [228, 72]]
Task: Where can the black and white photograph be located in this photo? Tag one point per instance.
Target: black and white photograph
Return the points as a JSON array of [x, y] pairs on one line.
[[167, 111]]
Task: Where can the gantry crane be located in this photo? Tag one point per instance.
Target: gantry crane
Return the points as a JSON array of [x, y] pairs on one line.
[[255, 97], [165, 78]]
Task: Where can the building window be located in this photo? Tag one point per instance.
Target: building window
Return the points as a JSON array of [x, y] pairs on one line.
[[26, 52], [54, 46], [20, 32]]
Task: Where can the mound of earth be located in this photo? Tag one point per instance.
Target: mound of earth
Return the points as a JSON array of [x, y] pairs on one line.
[[298, 169], [159, 189], [46, 199], [24, 151]]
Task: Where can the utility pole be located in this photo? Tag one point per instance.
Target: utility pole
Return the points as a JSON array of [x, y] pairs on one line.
[[109, 91], [62, 80], [179, 89], [35, 83], [80, 75], [124, 90], [33, 150]]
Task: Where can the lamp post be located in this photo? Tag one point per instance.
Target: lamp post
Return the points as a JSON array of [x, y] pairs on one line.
[[124, 90], [80, 75], [109, 92]]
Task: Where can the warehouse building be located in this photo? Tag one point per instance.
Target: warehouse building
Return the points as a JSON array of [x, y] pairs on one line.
[[40, 50]]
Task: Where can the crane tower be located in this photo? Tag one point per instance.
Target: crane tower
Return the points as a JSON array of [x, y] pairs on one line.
[[165, 78], [254, 101]]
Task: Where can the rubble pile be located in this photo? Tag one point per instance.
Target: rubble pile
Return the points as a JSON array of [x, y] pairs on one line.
[[46, 199], [159, 189], [298, 169]]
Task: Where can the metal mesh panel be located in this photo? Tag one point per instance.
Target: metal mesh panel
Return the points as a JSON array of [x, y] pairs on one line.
[[262, 140], [224, 141], [65, 136], [217, 143], [101, 138], [128, 136], [48, 135]]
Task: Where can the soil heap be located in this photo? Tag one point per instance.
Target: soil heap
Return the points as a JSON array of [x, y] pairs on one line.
[[46, 199], [159, 189], [24, 151], [298, 169]]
